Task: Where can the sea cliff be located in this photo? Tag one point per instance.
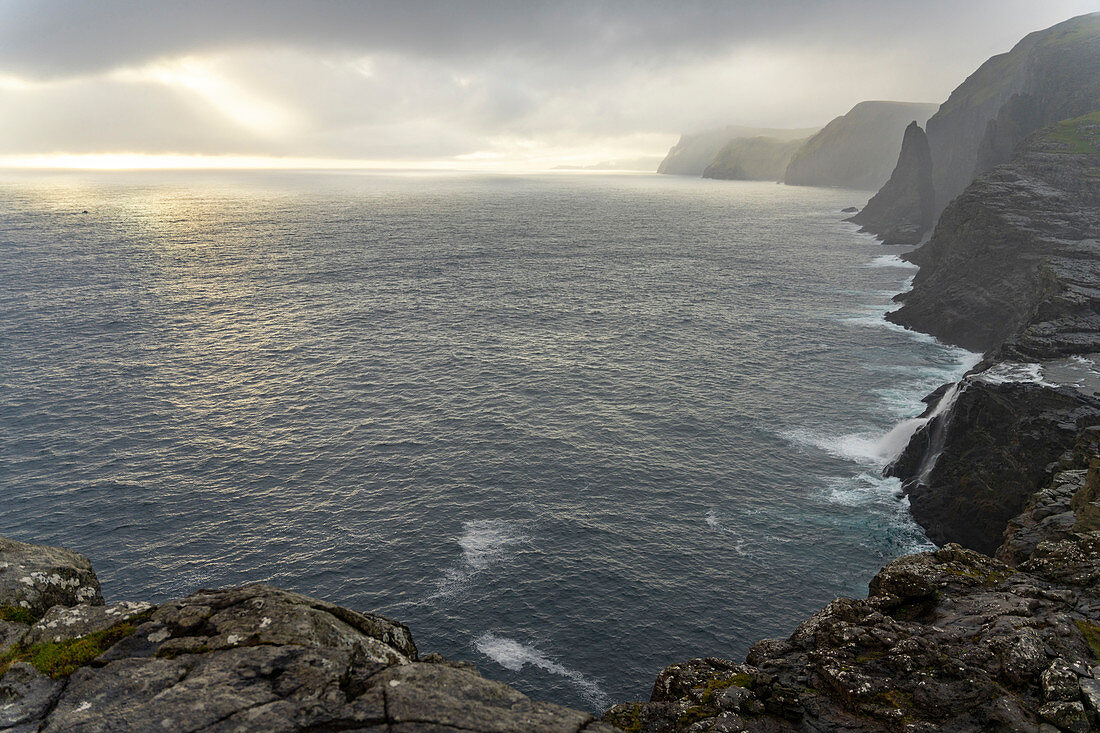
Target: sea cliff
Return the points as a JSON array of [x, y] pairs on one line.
[[1049, 76], [999, 629]]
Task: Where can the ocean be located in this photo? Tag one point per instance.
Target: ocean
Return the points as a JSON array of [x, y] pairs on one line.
[[570, 427]]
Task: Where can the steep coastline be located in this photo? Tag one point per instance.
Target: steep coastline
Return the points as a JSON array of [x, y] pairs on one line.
[[950, 640], [857, 149], [1007, 465], [1050, 75]]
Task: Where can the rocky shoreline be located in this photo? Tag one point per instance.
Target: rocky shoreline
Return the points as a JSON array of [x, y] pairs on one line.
[[1008, 466], [997, 630], [950, 640]]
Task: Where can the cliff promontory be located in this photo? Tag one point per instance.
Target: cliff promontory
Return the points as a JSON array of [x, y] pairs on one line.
[[1050, 75], [752, 159], [905, 207], [694, 152]]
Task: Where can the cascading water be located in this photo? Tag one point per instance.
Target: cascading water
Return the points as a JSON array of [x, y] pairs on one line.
[[894, 442]]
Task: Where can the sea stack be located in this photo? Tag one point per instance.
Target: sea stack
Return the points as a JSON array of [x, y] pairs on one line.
[[904, 209]]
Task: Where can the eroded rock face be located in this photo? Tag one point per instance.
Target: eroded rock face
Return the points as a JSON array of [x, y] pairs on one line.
[[36, 577], [950, 640], [1013, 262], [975, 467], [256, 658]]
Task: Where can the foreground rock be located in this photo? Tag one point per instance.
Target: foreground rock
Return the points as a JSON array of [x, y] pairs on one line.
[[950, 640], [256, 658]]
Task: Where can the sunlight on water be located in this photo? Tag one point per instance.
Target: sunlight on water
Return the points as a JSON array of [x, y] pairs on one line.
[[512, 411]]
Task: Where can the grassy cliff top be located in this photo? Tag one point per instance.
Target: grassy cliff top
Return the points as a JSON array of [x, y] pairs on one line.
[[1081, 135]]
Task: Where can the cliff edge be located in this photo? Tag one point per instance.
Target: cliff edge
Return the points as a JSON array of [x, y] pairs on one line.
[[256, 658]]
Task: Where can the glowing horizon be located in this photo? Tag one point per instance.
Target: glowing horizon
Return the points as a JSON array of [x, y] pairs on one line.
[[204, 162]]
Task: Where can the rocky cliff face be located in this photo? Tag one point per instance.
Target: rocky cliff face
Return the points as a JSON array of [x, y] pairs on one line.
[[255, 658], [752, 159], [858, 149], [955, 640], [694, 152], [1013, 260], [1050, 75], [905, 207]]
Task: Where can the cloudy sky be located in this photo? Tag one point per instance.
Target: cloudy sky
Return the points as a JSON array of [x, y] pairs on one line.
[[476, 83]]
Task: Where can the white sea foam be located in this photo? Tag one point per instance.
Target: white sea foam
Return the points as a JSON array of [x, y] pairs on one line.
[[863, 488], [858, 447], [484, 543], [1012, 371], [891, 261], [868, 448], [513, 655], [716, 524], [876, 319]]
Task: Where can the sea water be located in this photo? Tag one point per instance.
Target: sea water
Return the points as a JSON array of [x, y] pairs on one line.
[[572, 428]]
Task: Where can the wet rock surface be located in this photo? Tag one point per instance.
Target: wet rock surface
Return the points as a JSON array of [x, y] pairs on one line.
[[950, 640], [256, 658]]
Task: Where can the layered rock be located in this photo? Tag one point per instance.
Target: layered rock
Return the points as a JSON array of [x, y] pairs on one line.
[[904, 209], [1013, 260], [1048, 76], [752, 159], [256, 658], [975, 466], [858, 149]]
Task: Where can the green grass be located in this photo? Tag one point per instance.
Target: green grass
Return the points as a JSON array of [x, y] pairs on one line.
[[1091, 632], [17, 615], [1080, 135], [61, 658]]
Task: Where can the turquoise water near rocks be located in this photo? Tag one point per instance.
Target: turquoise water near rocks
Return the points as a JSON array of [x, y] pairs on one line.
[[572, 428]]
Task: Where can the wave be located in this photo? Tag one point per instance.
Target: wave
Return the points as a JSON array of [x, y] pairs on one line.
[[876, 319], [484, 543], [513, 655], [891, 261]]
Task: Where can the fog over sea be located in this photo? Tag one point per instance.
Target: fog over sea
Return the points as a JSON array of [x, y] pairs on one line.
[[572, 428]]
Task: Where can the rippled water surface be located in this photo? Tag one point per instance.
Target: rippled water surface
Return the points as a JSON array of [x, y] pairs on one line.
[[571, 428]]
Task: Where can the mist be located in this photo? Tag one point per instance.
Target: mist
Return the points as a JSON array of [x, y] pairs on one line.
[[477, 84]]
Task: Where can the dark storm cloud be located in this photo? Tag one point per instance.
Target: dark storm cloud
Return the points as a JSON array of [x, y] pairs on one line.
[[480, 79], [60, 37]]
